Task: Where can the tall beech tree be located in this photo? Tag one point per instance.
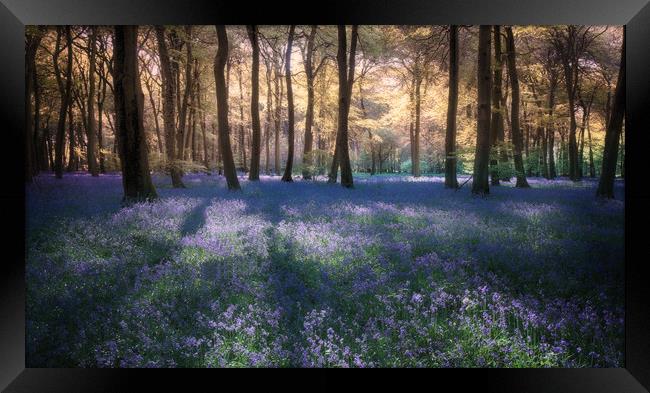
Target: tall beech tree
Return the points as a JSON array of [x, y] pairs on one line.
[[345, 67], [290, 109], [480, 183], [64, 89], [451, 156], [220, 61], [183, 123], [129, 104], [497, 126], [254, 173], [169, 108], [310, 73], [612, 135], [33, 38], [90, 122], [515, 131]]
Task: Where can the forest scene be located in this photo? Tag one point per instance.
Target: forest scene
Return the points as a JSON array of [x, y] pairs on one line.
[[324, 196]]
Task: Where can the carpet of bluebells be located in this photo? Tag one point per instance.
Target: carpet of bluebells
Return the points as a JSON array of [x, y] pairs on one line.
[[397, 272]]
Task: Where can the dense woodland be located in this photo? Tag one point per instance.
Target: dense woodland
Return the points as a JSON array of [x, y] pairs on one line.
[[240, 254], [499, 102]]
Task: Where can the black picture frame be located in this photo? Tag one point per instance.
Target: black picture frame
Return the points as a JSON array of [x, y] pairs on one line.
[[634, 14]]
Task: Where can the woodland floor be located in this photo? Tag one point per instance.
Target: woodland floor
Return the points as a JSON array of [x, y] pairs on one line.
[[395, 272]]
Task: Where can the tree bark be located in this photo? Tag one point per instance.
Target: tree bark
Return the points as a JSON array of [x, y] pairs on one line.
[[550, 131], [570, 66], [415, 161], [242, 139], [222, 109], [254, 173], [480, 183], [90, 123], [33, 40], [65, 98], [452, 108], [290, 110], [346, 80], [278, 112], [269, 105], [183, 118], [614, 128], [309, 115], [515, 129], [169, 109], [496, 126], [129, 104]]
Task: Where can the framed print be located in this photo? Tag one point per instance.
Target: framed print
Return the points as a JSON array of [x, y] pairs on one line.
[[455, 187]]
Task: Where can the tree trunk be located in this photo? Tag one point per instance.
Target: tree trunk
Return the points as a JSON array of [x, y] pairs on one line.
[[515, 129], [614, 128], [592, 169], [32, 43], [222, 108], [269, 105], [570, 67], [346, 80], [309, 115], [290, 110], [254, 173], [496, 126], [183, 118], [72, 159], [242, 139], [480, 183], [550, 131], [415, 161], [278, 113], [452, 108], [169, 109], [64, 90], [152, 102], [129, 103], [90, 123], [581, 144], [201, 109]]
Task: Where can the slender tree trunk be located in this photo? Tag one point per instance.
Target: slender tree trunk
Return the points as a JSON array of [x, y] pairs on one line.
[[72, 159], [65, 98], [33, 40], [496, 126], [550, 131], [129, 104], [515, 129], [346, 80], [269, 105], [570, 75], [480, 183], [169, 109], [278, 114], [183, 121], [614, 128], [201, 109], [290, 110], [254, 173], [452, 109], [222, 108], [152, 102], [416, 129], [242, 139], [309, 116], [90, 126], [592, 169], [581, 144]]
